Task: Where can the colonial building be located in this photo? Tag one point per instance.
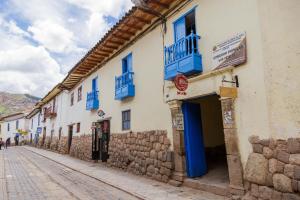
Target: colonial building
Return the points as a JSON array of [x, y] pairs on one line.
[[15, 127], [34, 125], [175, 90]]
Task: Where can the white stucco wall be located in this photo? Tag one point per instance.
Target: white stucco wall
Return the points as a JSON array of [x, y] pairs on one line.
[[148, 109]]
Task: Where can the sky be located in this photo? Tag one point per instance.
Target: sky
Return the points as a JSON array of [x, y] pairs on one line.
[[41, 40]]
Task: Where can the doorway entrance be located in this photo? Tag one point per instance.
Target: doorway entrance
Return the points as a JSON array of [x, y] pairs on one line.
[[70, 136], [204, 140], [44, 136], [100, 140]]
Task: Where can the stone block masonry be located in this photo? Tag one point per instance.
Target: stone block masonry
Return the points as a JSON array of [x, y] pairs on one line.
[[63, 145], [273, 169], [54, 144], [144, 153], [47, 142], [82, 147]]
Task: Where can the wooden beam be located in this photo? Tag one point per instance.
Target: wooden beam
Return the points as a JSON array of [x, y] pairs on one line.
[[115, 42], [100, 54], [150, 12], [105, 51], [121, 37], [92, 59], [127, 32], [110, 46], [132, 26], [141, 20], [160, 4]]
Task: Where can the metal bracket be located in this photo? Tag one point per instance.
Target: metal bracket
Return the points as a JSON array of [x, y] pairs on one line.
[[234, 80]]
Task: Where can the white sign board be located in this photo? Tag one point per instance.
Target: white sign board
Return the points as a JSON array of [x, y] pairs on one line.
[[178, 122], [231, 52]]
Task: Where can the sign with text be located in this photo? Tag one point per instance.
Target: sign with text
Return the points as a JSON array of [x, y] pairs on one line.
[[178, 122], [231, 52], [181, 83]]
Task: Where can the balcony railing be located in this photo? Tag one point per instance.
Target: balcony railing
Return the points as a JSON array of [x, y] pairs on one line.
[[50, 113], [183, 57], [92, 101], [124, 86]]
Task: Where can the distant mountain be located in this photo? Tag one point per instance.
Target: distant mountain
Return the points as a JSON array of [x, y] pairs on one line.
[[13, 103]]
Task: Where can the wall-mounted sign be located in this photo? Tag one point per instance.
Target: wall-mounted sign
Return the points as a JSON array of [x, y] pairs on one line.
[[39, 130], [181, 83], [230, 92], [231, 52], [178, 122], [101, 113]]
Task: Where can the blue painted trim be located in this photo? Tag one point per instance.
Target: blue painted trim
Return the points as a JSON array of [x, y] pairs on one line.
[[182, 16], [129, 68]]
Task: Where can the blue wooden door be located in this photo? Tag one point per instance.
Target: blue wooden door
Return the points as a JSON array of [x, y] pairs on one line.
[[193, 139], [179, 29], [179, 34], [127, 64]]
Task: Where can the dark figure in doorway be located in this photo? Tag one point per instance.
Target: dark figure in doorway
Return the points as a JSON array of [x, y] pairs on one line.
[[7, 142], [0, 143], [16, 140]]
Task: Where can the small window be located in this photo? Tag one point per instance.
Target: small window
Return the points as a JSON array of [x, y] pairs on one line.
[[79, 93], [8, 127], [126, 120], [78, 128], [17, 124], [72, 99]]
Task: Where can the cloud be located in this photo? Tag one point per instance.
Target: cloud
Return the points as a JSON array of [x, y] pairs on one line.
[[54, 37], [28, 69], [42, 40]]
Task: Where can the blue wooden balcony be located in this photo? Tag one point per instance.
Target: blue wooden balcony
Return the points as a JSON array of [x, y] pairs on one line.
[[124, 86], [92, 101], [183, 57]]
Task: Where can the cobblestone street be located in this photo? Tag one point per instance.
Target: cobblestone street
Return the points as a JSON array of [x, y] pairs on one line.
[[30, 173], [29, 176]]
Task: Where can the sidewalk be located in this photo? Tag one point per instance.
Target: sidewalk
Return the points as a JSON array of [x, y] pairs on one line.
[[3, 192], [141, 187]]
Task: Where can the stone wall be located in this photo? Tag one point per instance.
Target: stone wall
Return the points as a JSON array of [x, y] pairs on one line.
[[47, 142], [54, 144], [145, 153], [63, 145], [273, 169], [82, 147], [40, 142]]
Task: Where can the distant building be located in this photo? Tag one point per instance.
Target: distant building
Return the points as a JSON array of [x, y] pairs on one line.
[[15, 127]]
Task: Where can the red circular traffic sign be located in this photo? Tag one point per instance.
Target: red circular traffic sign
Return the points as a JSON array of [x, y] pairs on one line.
[[181, 82]]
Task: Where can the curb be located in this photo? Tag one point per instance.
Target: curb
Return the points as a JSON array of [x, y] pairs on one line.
[[98, 179]]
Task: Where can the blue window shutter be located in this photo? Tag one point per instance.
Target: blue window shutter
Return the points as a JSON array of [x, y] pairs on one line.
[[179, 29], [94, 84], [129, 62]]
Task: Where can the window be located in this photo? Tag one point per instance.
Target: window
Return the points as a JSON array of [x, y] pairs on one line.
[[127, 64], [17, 124], [32, 123], [79, 97], [78, 127], [126, 120], [8, 127], [72, 99]]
